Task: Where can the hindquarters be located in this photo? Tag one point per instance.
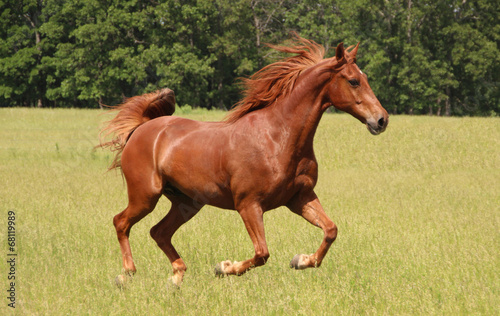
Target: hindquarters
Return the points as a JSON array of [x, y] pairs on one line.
[[144, 186], [156, 161], [133, 113]]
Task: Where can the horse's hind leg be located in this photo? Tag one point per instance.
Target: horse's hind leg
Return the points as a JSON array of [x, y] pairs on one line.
[[141, 202], [182, 210]]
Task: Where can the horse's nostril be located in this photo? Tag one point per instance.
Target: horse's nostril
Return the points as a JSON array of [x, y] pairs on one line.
[[381, 122]]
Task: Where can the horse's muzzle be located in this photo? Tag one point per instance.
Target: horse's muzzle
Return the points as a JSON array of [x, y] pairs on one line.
[[377, 126]]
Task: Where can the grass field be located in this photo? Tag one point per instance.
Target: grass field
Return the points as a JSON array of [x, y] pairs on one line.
[[418, 211]]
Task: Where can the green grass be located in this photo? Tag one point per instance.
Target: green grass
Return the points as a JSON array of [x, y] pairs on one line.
[[418, 211]]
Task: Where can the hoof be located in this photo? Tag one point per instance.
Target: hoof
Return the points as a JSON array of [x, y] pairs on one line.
[[176, 278], [218, 270], [221, 268], [299, 262], [294, 264], [172, 284], [122, 280]]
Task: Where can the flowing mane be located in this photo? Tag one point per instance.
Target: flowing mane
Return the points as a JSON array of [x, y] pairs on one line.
[[278, 78]]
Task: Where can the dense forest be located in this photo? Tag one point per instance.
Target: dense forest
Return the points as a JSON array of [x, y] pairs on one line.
[[437, 57]]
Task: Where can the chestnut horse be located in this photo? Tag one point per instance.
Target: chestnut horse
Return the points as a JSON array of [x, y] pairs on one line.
[[259, 158]]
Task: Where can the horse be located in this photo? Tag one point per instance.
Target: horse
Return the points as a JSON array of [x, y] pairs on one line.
[[258, 158]]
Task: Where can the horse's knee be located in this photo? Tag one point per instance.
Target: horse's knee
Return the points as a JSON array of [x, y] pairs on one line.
[[116, 220], [331, 232], [153, 232], [121, 226], [261, 257], [159, 236]]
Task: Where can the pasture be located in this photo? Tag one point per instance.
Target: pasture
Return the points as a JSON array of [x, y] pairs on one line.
[[418, 211]]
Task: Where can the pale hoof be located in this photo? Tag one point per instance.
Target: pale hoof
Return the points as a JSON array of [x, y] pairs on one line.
[[173, 282], [122, 280], [221, 268], [299, 262]]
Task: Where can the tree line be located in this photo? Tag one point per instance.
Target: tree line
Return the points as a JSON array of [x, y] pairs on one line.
[[436, 57]]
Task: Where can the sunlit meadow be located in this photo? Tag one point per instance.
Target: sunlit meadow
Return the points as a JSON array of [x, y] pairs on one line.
[[418, 211]]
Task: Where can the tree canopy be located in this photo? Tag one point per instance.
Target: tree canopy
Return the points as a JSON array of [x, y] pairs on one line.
[[436, 57]]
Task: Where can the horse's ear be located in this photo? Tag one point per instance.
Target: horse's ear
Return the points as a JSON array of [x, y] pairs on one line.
[[354, 51], [339, 52]]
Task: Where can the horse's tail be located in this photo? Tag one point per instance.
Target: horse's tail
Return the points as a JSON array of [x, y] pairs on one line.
[[131, 114]]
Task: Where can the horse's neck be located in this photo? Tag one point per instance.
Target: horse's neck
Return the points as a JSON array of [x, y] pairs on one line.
[[301, 111]]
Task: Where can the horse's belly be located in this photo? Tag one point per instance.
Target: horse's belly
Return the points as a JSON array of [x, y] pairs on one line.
[[207, 193], [189, 159]]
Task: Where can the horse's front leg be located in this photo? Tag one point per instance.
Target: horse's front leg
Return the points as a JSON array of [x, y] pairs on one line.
[[309, 207], [252, 216]]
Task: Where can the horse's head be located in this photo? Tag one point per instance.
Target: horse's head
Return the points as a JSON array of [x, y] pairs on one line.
[[350, 92]]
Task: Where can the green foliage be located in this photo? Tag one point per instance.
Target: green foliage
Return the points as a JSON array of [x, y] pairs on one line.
[[437, 57]]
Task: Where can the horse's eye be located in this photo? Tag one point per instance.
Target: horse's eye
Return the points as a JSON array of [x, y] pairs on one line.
[[354, 82]]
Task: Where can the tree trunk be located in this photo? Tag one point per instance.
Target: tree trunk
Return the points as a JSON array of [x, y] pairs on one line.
[[34, 23], [256, 23], [408, 20], [447, 105]]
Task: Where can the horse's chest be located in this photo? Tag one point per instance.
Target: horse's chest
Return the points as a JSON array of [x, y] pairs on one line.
[[306, 173], [296, 176], [282, 185]]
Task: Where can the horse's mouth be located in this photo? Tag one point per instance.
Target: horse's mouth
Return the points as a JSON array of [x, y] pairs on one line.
[[375, 131], [377, 126]]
